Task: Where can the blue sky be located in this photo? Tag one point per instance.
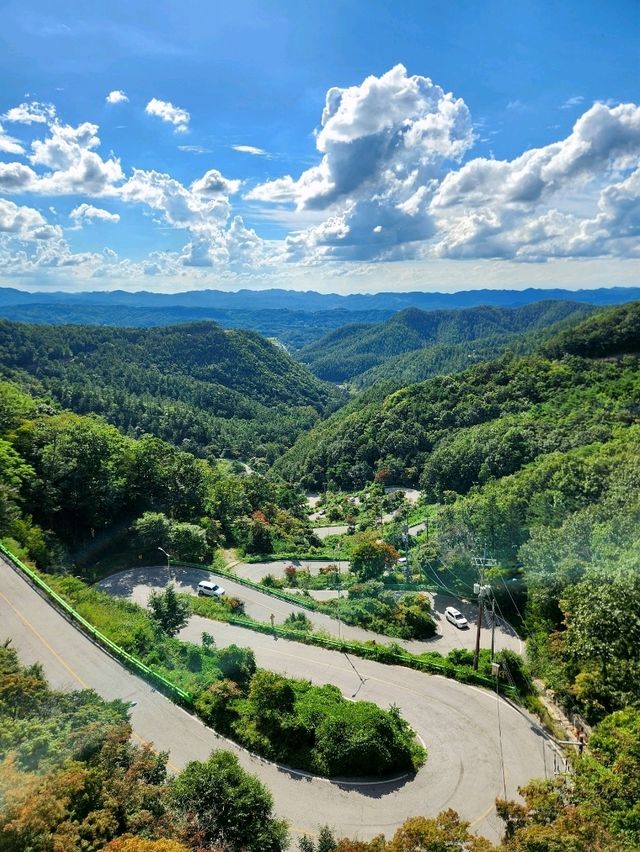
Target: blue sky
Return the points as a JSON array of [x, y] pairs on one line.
[[343, 146]]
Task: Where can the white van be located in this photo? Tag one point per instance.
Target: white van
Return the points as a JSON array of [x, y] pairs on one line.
[[456, 617], [212, 590]]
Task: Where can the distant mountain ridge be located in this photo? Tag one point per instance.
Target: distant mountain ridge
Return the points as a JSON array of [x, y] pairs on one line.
[[415, 344], [313, 301], [293, 328]]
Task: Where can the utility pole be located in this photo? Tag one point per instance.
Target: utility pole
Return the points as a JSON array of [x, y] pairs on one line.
[[483, 591], [493, 627], [339, 603], [405, 541]]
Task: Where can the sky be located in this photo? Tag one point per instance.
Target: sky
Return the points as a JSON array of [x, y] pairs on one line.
[[343, 146]]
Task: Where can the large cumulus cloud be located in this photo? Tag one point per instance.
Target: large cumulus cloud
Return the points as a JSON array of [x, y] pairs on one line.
[[384, 143], [518, 208]]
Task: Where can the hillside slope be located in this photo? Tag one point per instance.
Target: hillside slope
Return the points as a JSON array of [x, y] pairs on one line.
[[294, 328], [196, 385], [414, 344], [454, 431]]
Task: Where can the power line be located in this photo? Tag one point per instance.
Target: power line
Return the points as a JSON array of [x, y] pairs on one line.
[[512, 598]]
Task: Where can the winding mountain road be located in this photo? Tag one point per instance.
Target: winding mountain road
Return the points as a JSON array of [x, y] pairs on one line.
[[138, 583], [479, 746]]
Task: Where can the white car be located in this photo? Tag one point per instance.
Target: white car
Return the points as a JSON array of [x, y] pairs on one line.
[[456, 617], [212, 590]]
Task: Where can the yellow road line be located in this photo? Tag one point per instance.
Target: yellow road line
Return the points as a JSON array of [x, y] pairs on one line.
[[45, 643], [66, 665]]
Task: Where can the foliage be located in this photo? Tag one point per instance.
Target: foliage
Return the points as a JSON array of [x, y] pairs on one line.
[[370, 558], [195, 385], [170, 610], [70, 777], [222, 804], [415, 344], [368, 605], [614, 331], [486, 422], [84, 483]]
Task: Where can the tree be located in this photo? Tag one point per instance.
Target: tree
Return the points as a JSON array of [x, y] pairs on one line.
[[170, 611], [603, 634], [440, 834], [222, 804], [370, 558], [140, 844], [189, 542], [152, 530]]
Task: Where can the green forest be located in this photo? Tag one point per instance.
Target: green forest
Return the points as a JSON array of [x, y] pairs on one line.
[[211, 391], [413, 345], [116, 441]]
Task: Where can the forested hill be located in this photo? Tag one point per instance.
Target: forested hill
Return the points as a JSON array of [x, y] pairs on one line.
[[452, 432], [414, 344], [294, 328], [197, 385], [615, 331]]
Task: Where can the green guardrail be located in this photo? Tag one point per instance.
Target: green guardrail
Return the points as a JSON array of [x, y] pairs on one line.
[[124, 656], [379, 654], [299, 600]]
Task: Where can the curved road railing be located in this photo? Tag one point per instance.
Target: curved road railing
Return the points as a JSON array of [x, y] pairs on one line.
[[379, 653], [125, 657]]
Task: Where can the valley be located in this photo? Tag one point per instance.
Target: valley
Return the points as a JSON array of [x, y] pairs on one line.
[[341, 525]]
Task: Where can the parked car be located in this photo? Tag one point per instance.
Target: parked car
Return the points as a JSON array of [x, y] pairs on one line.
[[212, 590], [456, 617]]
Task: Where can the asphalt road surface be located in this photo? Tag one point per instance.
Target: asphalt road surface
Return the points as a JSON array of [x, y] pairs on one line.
[[479, 746], [138, 583]]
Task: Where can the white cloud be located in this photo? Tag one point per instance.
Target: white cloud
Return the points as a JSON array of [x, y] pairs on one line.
[[31, 112], [25, 223], [180, 207], [383, 144], [251, 149], [74, 167], [168, 112], [212, 183], [278, 191], [576, 100], [68, 165], [521, 208], [204, 212], [116, 97], [88, 213], [194, 149], [9, 145], [16, 177]]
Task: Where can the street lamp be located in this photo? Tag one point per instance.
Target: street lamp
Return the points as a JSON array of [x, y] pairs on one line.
[[162, 550], [337, 566]]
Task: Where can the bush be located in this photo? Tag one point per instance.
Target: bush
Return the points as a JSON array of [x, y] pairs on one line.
[[298, 621], [237, 664]]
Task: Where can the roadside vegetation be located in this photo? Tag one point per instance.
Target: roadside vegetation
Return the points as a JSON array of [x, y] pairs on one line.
[[531, 460], [290, 721], [70, 778], [86, 785]]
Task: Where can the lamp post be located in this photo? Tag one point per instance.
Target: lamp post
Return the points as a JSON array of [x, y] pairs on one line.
[[162, 550], [339, 596]]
